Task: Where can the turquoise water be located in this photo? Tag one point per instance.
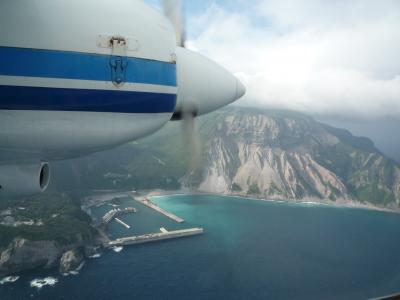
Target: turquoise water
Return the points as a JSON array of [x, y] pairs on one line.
[[250, 250]]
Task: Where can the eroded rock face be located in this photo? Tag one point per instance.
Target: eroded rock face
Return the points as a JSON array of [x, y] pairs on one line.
[[23, 255], [71, 260], [269, 172], [266, 156], [291, 156]]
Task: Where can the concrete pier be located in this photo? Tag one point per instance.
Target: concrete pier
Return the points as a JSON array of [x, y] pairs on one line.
[[153, 237], [122, 223], [108, 217], [147, 202]]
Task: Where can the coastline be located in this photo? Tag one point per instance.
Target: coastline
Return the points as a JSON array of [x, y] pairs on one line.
[[339, 203], [91, 248]]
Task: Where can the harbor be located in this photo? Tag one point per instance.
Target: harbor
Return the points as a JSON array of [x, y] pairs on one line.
[[154, 237], [138, 236]]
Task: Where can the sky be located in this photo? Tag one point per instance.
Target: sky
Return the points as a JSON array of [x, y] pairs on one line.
[[316, 56]]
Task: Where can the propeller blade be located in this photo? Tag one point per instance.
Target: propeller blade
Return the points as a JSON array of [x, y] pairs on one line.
[[174, 11], [192, 140]]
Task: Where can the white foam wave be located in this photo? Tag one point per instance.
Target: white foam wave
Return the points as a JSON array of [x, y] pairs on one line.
[[96, 255], [311, 203], [76, 271], [117, 249], [41, 282], [9, 279]]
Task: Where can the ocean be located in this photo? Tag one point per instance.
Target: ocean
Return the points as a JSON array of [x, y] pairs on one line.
[[250, 250]]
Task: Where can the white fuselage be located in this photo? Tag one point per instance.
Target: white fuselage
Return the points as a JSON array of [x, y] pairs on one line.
[[66, 91]]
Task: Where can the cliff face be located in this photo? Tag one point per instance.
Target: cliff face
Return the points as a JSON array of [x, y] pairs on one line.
[[259, 154], [291, 156], [71, 260], [23, 254]]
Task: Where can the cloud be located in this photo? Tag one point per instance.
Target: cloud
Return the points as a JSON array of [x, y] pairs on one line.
[[317, 56]]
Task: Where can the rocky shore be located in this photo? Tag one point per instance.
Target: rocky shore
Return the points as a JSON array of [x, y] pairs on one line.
[[23, 254]]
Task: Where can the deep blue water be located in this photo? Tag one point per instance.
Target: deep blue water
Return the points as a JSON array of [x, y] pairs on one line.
[[250, 250]]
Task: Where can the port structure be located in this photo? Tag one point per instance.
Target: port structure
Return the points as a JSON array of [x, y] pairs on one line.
[[122, 223], [116, 212], [147, 202], [154, 237]]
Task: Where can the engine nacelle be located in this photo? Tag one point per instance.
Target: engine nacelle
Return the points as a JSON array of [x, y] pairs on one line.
[[24, 179]]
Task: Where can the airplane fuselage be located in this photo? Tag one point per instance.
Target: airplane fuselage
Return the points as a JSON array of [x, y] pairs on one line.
[[74, 80], [77, 77]]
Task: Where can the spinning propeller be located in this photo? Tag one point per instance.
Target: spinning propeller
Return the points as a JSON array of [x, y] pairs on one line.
[[203, 85]]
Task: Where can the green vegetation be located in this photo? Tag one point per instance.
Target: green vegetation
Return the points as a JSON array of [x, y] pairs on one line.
[[236, 187], [335, 192], [253, 189], [159, 161], [373, 194], [300, 191], [360, 143], [63, 220], [336, 158], [274, 189]]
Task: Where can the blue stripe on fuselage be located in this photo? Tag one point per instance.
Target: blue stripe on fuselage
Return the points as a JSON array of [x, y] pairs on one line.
[[84, 66], [58, 99]]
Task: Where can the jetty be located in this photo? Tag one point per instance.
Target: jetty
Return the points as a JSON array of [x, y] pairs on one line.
[[122, 223], [147, 202], [116, 212], [154, 237]]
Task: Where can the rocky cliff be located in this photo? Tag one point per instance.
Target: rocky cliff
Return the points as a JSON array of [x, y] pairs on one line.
[[71, 260], [275, 154], [23, 254]]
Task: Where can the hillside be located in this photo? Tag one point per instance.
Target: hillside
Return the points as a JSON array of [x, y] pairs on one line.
[[36, 231], [268, 154]]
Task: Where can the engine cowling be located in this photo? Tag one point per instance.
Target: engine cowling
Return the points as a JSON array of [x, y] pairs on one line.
[[24, 179]]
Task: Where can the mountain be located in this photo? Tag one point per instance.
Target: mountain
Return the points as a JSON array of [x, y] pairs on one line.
[[286, 155], [383, 131], [251, 152]]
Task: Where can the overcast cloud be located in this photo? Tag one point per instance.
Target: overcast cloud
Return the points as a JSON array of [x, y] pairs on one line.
[[318, 56]]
